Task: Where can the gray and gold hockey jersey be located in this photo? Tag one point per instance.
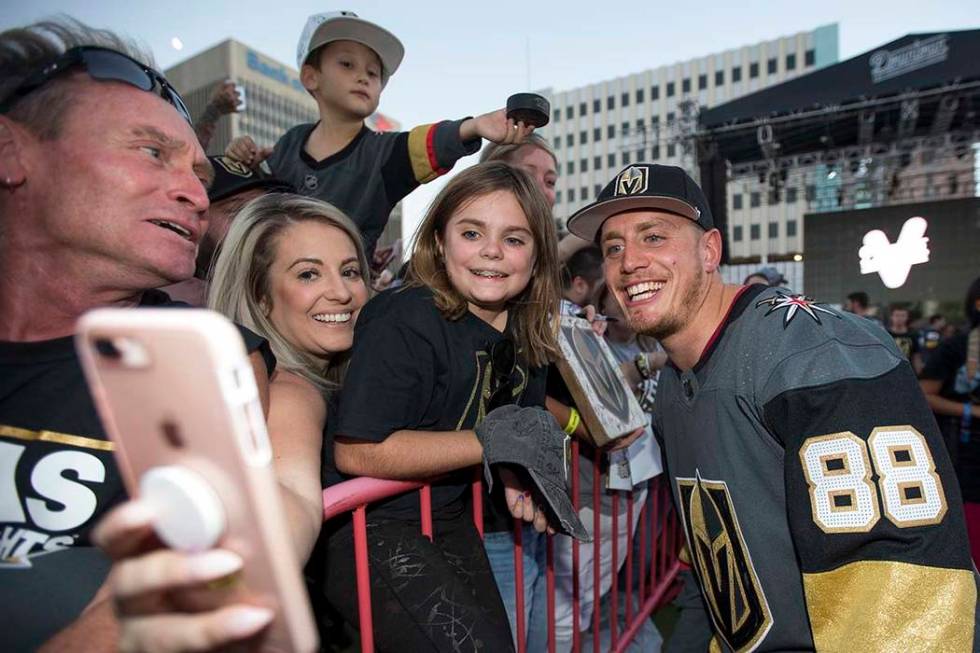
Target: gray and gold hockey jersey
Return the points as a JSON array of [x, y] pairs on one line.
[[819, 503], [374, 172]]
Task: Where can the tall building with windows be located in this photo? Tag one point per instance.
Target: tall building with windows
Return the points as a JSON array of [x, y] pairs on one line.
[[275, 101], [651, 116]]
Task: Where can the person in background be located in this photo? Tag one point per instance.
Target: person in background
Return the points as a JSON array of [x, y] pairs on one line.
[[931, 335], [640, 359], [756, 277], [768, 275], [102, 202], [951, 383], [534, 156], [906, 339], [234, 186], [345, 63], [581, 274], [859, 304]]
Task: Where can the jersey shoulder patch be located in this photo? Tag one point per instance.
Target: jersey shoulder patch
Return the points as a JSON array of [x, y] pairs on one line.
[[793, 305]]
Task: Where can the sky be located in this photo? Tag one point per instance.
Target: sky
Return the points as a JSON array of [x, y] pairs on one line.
[[466, 58]]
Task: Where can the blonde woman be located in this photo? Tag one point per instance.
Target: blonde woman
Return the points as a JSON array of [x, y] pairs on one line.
[[292, 269]]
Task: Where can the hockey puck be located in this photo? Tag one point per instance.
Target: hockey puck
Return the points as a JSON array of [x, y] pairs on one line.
[[529, 108]]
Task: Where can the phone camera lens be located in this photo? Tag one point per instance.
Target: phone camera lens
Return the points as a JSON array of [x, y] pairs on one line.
[[107, 348]]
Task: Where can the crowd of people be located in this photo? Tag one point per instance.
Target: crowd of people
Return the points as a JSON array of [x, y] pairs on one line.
[[802, 455]]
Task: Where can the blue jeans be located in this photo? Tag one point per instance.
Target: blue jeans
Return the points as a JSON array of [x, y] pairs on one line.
[[500, 552]]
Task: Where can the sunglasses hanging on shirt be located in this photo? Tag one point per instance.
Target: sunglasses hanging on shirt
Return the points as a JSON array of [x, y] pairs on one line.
[[503, 363]]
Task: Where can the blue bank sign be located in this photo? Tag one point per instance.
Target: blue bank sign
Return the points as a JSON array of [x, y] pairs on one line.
[[276, 72]]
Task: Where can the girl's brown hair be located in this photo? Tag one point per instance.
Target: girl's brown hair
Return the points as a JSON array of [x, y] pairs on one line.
[[534, 312]]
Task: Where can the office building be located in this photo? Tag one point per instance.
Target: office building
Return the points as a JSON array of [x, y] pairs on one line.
[[651, 116]]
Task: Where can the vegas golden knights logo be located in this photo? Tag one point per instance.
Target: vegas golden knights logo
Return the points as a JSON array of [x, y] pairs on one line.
[[721, 560], [233, 167], [632, 181]]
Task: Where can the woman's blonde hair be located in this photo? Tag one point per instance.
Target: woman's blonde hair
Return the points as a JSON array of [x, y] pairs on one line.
[[534, 312], [507, 153], [239, 285]]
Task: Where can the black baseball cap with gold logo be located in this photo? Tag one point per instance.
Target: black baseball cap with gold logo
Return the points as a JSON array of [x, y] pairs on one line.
[[232, 177], [643, 186]]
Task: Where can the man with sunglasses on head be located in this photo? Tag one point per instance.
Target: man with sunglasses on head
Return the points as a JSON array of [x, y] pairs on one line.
[[102, 200]]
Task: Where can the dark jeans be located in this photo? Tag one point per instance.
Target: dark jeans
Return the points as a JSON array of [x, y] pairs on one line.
[[425, 596]]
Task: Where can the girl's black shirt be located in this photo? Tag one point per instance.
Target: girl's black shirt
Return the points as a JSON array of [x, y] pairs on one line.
[[413, 369]]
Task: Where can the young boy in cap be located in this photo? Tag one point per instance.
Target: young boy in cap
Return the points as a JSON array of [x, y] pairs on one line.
[[345, 62]]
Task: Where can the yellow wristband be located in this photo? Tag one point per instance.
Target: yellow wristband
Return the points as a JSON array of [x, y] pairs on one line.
[[574, 419]]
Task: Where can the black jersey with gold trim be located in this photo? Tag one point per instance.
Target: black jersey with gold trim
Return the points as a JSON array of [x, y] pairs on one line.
[[58, 477], [819, 504]]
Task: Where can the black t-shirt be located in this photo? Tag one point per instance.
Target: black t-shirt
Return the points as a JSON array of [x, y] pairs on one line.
[[947, 363], [58, 477], [413, 369], [907, 343]]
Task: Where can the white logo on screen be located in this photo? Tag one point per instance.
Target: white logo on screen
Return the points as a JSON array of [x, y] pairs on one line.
[[886, 64], [894, 261]]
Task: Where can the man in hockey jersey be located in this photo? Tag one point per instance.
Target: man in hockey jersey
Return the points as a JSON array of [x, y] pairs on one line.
[[819, 504]]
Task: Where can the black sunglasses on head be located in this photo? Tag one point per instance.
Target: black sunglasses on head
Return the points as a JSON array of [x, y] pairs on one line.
[[105, 65]]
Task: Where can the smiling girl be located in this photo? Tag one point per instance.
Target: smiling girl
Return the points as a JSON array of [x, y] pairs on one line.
[[472, 330]]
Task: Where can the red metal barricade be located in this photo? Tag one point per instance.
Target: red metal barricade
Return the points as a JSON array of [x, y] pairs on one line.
[[657, 526]]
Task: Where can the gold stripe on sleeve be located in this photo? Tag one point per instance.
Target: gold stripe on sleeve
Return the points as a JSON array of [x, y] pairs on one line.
[[54, 436], [421, 155], [875, 605]]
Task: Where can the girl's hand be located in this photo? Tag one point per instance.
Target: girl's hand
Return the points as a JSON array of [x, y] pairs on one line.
[[153, 589], [521, 503]]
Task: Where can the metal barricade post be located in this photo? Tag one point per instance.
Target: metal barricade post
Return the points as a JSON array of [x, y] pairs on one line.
[[657, 528]]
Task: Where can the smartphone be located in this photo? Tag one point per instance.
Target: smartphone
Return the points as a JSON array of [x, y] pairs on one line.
[[241, 98], [176, 393]]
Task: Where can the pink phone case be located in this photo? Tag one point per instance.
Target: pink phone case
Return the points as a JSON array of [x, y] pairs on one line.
[[175, 388]]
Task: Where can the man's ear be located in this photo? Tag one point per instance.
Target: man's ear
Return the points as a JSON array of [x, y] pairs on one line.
[[12, 141], [711, 250]]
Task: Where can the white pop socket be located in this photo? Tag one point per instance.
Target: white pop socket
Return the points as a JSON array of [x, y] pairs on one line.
[[189, 514]]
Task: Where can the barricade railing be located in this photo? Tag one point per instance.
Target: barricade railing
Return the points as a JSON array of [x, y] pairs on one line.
[[659, 542]]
